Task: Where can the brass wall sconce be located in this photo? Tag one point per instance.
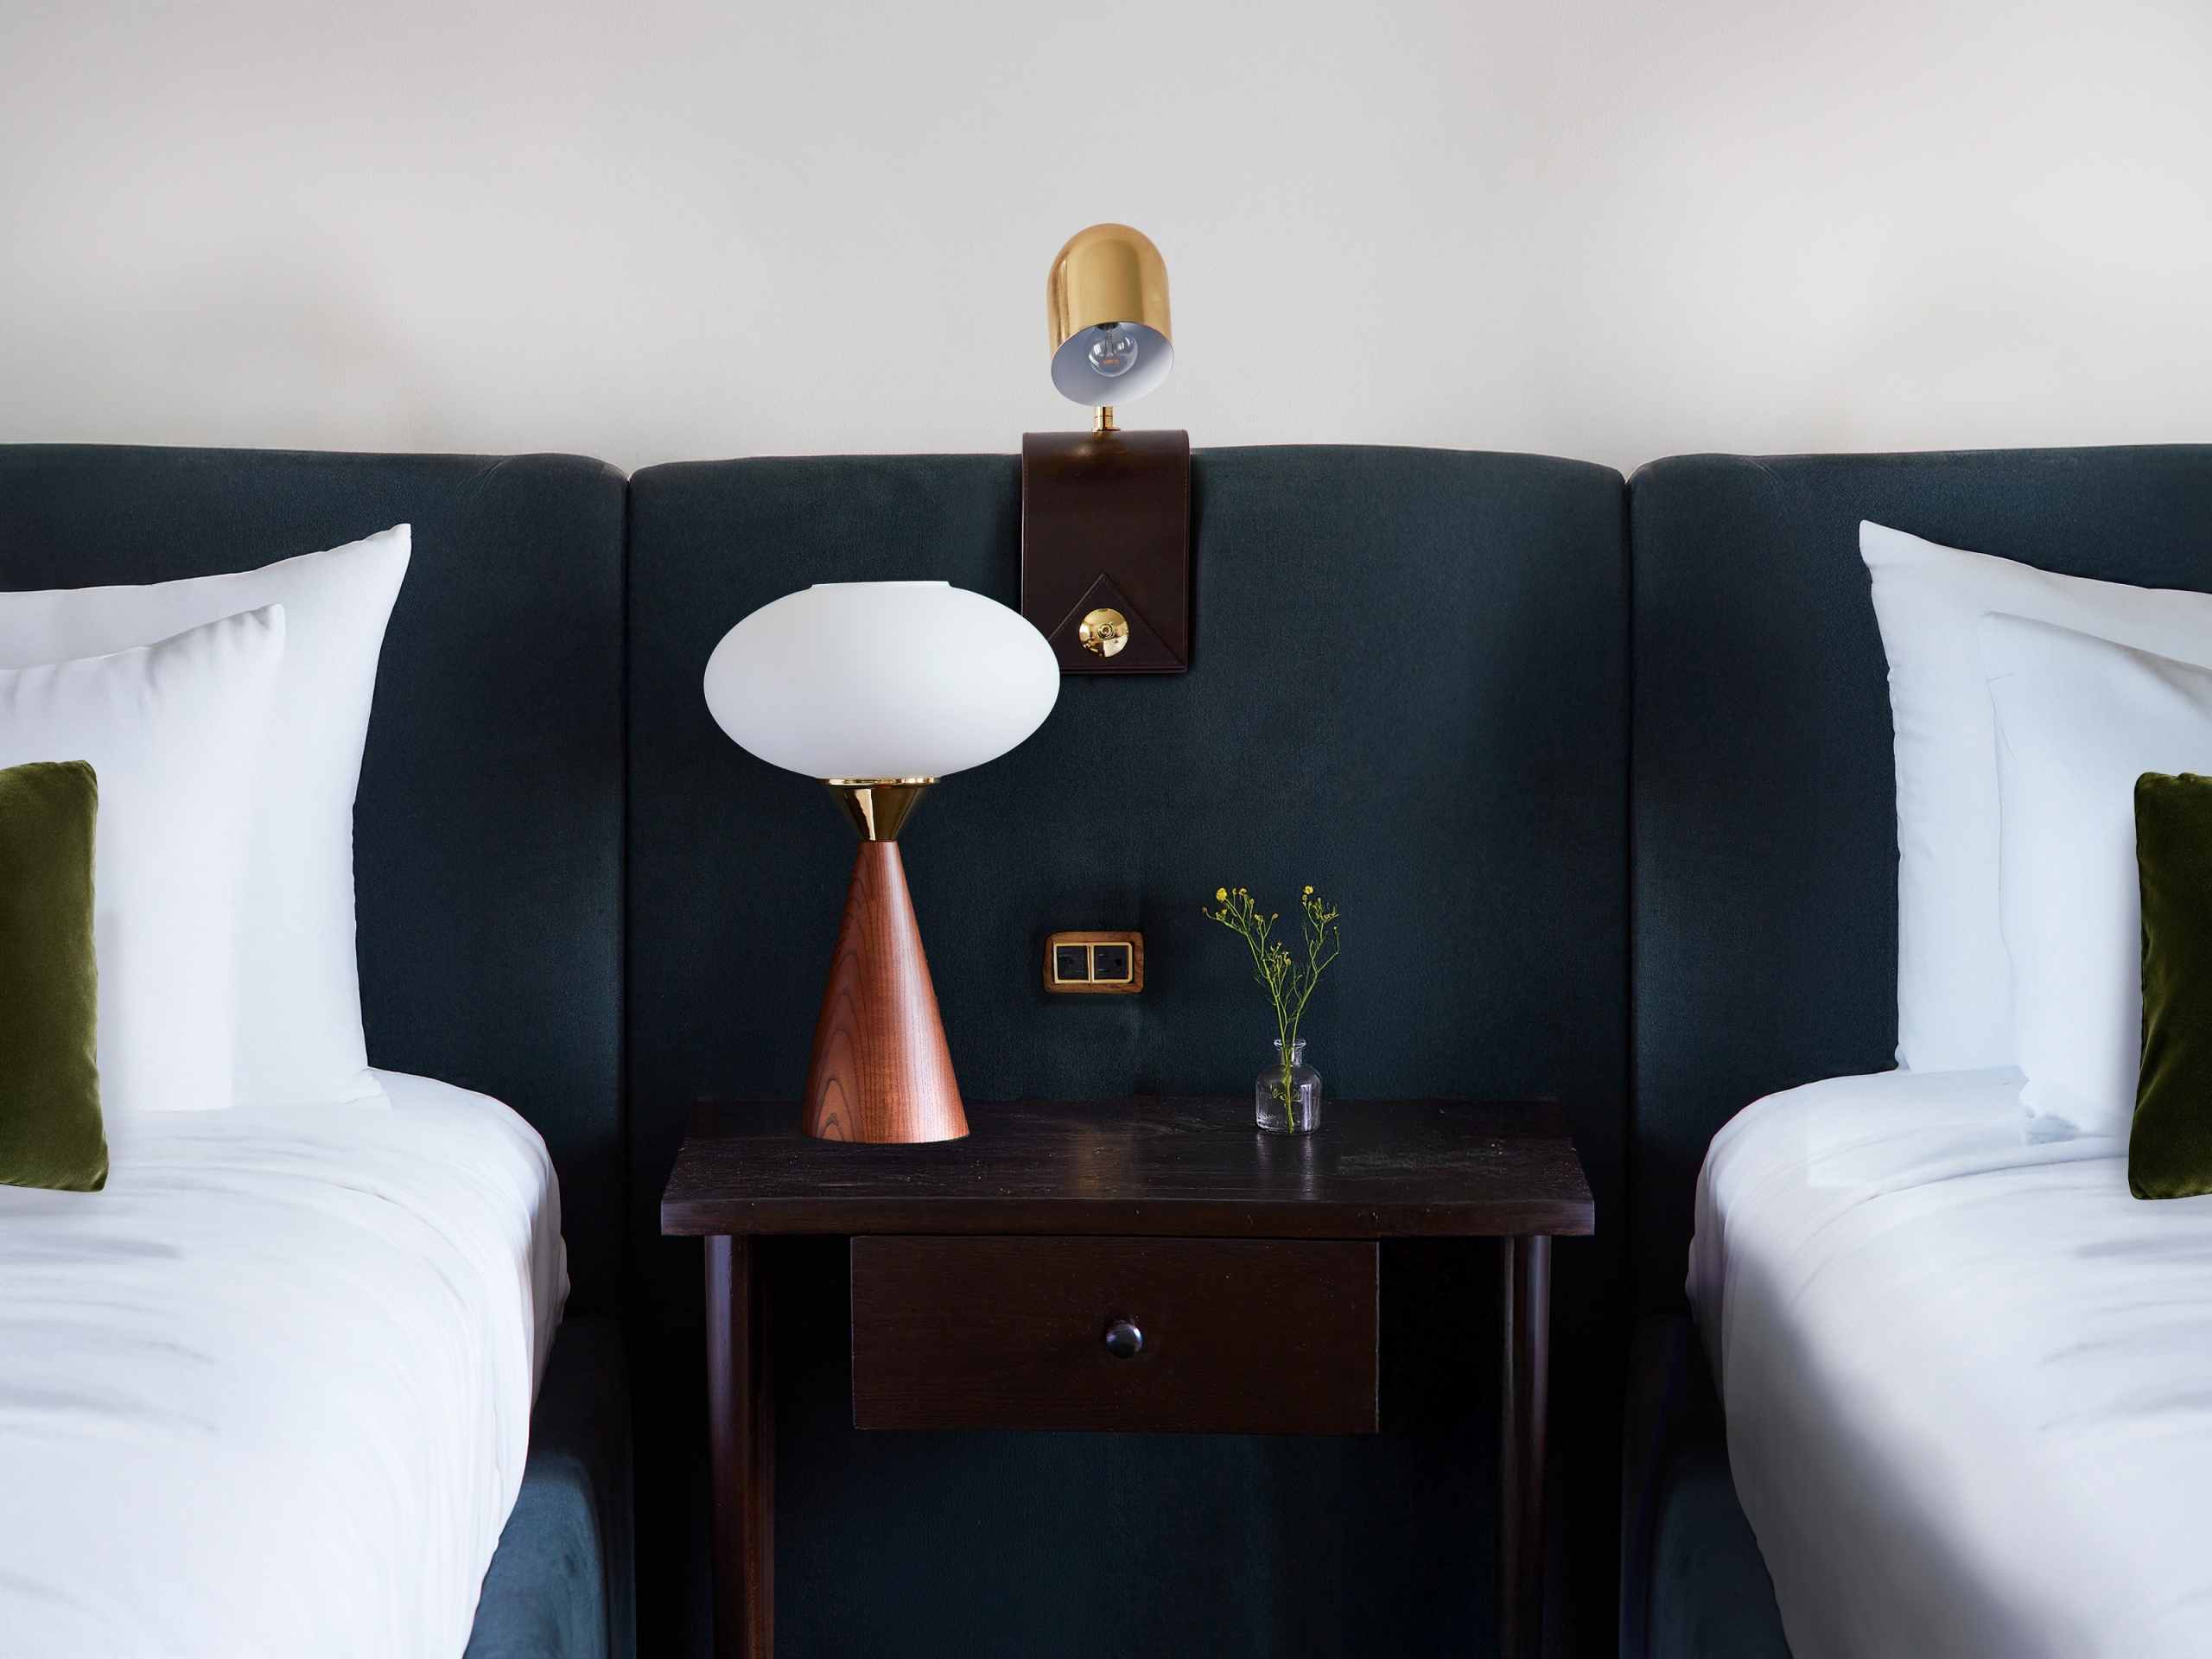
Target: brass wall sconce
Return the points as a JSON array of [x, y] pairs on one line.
[[1106, 513], [1106, 303]]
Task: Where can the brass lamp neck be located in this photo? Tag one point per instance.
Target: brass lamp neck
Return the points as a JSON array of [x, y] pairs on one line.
[[878, 807], [1101, 422]]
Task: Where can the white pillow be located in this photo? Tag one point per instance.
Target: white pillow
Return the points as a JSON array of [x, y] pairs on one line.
[[2079, 719], [298, 1038], [173, 732], [1954, 1005]]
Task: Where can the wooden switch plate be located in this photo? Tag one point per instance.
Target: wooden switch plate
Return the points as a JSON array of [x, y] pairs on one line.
[[1109, 963]]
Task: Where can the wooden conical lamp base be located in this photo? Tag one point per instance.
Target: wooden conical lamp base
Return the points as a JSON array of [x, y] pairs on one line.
[[880, 1071]]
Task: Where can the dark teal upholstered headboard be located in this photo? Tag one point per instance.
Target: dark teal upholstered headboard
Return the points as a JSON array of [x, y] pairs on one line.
[[488, 834], [1766, 847], [1408, 688]]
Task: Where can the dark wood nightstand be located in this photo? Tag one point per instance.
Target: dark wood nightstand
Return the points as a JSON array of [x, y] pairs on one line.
[[1118, 1264]]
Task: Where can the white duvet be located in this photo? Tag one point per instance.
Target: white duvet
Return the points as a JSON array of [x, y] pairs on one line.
[[268, 1393], [1968, 1378]]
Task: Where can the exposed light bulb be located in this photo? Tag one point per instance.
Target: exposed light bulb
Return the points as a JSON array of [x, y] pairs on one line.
[[1113, 351]]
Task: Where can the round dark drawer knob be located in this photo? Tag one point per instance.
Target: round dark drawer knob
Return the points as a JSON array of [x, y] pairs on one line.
[[1124, 1340]]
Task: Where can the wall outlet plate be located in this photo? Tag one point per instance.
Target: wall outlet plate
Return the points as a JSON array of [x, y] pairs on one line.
[[1094, 962]]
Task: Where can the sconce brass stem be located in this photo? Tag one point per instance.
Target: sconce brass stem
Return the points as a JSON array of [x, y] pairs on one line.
[[1101, 422]]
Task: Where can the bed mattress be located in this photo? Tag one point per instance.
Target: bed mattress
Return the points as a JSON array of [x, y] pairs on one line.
[[269, 1392], [1968, 1378]]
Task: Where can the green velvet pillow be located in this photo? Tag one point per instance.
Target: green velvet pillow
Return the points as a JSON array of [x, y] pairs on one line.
[[50, 1132], [2170, 1148]]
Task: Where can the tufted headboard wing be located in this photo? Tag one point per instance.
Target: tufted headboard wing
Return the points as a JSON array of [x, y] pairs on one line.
[[1765, 866], [487, 831]]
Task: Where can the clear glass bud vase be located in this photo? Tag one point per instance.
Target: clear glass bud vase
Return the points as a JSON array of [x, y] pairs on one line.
[[1288, 1102]]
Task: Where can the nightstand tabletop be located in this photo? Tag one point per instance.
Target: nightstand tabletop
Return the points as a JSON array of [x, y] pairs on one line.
[[1184, 1166]]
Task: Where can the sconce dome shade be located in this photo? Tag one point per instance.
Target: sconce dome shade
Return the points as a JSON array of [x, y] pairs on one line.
[[881, 680], [1107, 274]]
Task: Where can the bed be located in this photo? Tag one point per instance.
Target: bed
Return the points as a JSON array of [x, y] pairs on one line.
[[299, 1379], [269, 1392], [1951, 1357], [1964, 1373]]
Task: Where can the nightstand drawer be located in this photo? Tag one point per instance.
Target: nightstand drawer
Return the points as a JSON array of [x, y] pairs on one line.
[[1163, 1335]]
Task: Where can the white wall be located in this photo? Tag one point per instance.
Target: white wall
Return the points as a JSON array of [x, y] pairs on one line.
[[1607, 228]]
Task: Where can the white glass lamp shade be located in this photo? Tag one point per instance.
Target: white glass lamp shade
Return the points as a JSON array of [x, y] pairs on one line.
[[882, 679]]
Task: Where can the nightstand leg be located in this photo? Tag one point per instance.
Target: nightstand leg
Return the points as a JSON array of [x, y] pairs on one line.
[[741, 1447], [1521, 1458]]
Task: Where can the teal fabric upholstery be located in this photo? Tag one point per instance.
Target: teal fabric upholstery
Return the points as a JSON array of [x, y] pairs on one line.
[[1408, 688], [1694, 1583], [562, 1585], [1711, 1598]]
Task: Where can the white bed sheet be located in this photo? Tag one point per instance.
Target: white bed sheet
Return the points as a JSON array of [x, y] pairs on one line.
[[1968, 1378], [268, 1393]]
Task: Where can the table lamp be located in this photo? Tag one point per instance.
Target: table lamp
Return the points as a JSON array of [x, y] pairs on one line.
[[880, 688]]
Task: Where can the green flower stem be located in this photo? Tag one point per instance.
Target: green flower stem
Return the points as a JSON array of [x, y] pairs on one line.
[[1289, 984]]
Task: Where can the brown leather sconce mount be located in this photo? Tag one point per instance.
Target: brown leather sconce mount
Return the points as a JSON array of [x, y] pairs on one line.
[[1106, 535]]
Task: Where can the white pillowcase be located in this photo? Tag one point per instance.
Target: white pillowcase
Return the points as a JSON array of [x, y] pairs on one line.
[[1955, 1003], [173, 732], [2079, 719], [298, 1033]]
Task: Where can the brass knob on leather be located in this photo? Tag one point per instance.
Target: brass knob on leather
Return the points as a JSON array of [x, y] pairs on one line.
[[1104, 631], [1124, 1340]]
